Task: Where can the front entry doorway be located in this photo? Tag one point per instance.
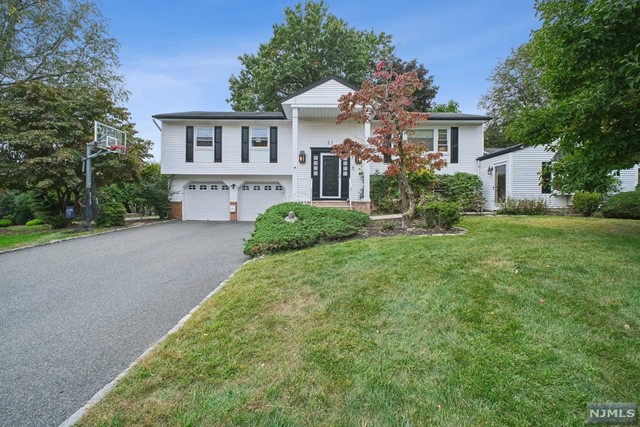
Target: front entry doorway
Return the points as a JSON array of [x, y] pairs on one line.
[[329, 175], [501, 183]]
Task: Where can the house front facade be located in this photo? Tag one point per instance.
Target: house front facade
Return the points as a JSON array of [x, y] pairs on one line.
[[234, 165]]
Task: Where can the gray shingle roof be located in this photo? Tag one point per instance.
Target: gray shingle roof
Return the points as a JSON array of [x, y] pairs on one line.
[[457, 116], [222, 115], [501, 152]]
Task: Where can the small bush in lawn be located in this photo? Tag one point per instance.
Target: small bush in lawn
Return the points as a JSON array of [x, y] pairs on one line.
[[5, 222], [314, 225], [622, 205], [56, 221], [523, 207], [586, 203], [443, 215], [388, 226], [111, 214], [34, 222]]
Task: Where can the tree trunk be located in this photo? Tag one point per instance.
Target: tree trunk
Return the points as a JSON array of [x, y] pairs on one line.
[[408, 201]]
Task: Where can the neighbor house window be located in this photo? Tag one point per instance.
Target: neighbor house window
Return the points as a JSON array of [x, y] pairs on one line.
[[204, 137], [259, 137], [545, 178], [443, 141], [422, 136]]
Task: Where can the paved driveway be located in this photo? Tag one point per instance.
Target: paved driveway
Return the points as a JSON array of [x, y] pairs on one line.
[[75, 314]]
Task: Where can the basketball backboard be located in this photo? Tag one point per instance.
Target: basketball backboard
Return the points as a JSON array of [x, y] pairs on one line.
[[109, 138]]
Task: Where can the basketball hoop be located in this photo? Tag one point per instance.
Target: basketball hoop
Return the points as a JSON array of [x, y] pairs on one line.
[[119, 149]]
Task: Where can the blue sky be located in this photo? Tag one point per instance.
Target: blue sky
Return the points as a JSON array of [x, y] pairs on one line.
[[178, 56]]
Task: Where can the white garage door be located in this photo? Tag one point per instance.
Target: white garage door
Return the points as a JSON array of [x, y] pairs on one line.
[[206, 202], [254, 199]]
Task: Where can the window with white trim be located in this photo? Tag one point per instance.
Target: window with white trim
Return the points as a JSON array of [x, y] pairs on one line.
[[244, 187], [225, 187], [203, 187], [259, 137], [267, 188], [192, 187], [256, 187], [214, 187], [443, 140], [279, 188], [204, 137], [423, 137]]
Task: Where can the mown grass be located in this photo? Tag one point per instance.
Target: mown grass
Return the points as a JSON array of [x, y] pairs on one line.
[[20, 235], [520, 322]]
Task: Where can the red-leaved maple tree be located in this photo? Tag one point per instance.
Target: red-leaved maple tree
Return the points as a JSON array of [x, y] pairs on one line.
[[383, 101]]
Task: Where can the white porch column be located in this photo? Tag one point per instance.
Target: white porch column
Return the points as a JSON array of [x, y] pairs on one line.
[[294, 151], [366, 165]]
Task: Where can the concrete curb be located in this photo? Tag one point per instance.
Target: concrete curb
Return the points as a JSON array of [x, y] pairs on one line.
[[20, 248], [76, 416]]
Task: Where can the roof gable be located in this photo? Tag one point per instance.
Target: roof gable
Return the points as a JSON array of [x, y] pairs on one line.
[[323, 90]]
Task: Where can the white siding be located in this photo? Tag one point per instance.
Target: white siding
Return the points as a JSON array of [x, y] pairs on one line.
[[629, 178], [173, 150], [327, 93], [527, 165]]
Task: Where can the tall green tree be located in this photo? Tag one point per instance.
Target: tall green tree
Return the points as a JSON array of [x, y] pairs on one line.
[[452, 106], [60, 42], [422, 99], [44, 130], [515, 86], [310, 45], [588, 56]]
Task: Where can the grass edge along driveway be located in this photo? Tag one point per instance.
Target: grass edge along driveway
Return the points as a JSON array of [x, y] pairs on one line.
[[520, 322]]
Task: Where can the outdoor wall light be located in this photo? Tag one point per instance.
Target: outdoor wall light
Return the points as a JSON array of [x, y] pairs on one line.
[[233, 186], [358, 160], [489, 170], [302, 157]]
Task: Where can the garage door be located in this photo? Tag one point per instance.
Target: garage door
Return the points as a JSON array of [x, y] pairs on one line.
[[206, 202], [254, 199]]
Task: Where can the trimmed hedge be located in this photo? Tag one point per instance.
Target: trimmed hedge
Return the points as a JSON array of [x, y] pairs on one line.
[[443, 215], [462, 188], [314, 225], [5, 222], [586, 203], [34, 222], [622, 205]]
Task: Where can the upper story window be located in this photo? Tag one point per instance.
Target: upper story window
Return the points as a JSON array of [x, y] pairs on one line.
[[443, 140], [204, 137], [259, 137], [424, 137]]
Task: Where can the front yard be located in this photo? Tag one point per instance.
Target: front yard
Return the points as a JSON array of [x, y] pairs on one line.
[[21, 235], [520, 322]]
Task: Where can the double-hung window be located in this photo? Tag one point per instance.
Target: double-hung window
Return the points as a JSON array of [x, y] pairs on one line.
[[424, 137], [443, 140], [204, 137], [259, 137]]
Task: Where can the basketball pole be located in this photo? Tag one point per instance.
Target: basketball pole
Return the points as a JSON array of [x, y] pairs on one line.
[[88, 208]]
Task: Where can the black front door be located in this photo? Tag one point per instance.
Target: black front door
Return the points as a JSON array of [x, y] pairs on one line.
[[330, 176]]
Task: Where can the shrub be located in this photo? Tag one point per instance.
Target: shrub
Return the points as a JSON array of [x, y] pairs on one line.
[[622, 205], [523, 207], [442, 215], [5, 222], [111, 214], [314, 225], [586, 203], [33, 222], [56, 221], [462, 188], [17, 206], [384, 193]]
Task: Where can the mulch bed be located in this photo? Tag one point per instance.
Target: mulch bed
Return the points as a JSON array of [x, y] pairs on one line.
[[392, 227]]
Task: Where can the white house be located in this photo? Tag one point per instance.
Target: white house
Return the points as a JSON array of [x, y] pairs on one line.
[[234, 165]]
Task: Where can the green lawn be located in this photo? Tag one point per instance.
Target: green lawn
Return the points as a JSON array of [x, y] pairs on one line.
[[20, 235], [520, 322]]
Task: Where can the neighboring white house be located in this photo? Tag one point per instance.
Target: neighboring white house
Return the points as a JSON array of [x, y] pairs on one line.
[[234, 165], [516, 172]]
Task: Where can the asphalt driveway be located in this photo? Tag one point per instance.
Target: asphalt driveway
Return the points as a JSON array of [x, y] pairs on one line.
[[73, 315]]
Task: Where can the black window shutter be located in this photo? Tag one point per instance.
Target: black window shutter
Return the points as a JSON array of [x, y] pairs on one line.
[[454, 145], [315, 175], [217, 155], [189, 157], [245, 144], [273, 145]]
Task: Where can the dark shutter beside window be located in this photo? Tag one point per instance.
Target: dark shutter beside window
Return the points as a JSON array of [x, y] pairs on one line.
[[189, 157], [454, 145], [273, 144], [245, 144], [217, 137]]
